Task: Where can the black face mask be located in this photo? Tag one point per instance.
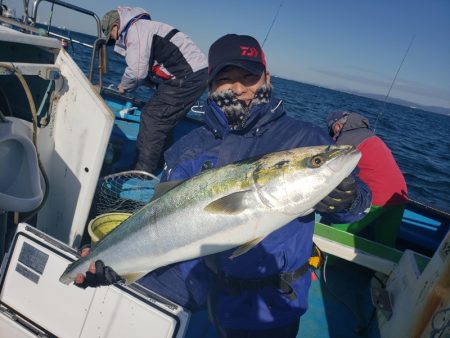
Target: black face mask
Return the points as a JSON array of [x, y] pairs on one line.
[[237, 111]]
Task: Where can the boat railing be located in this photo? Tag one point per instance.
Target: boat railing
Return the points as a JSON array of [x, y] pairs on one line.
[[98, 48], [413, 204], [69, 6]]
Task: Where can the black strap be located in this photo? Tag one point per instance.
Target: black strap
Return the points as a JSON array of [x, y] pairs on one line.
[[154, 78], [171, 34], [280, 281]]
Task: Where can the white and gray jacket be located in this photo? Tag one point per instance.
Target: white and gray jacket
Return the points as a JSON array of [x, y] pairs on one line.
[[154, 47]]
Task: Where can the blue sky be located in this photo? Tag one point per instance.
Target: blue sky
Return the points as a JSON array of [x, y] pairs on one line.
[[349, 45]]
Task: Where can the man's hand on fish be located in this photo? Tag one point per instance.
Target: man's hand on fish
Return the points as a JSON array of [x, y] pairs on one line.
[[341, 198], [97, 275]]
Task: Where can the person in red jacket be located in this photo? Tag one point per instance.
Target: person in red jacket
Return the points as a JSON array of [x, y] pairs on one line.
[[379, 170]]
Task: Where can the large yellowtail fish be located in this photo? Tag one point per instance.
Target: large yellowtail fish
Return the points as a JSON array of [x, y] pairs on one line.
[[233, 206]]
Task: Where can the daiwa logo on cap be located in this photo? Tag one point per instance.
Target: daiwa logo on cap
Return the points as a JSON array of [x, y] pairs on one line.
[[249, 51], [241, 51]]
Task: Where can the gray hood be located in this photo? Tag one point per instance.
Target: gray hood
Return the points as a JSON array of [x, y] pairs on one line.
[[126, 14], [355, 130]]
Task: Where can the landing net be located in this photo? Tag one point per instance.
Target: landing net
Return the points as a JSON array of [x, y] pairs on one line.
[[126, 191]]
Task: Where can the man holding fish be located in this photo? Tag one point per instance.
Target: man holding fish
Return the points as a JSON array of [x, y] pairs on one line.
[[241, 230]]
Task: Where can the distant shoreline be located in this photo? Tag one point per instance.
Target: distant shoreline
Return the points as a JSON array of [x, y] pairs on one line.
[[392, 100]]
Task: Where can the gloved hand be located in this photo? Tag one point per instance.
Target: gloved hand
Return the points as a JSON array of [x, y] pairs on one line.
[[341, 198], [97, 275]]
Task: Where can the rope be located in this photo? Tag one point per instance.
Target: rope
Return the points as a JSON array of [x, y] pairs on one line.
[[26, 88]]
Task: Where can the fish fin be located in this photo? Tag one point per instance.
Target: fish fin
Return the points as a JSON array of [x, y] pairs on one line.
[[162, 188], [230, 204], [132, 277], [246, 247]]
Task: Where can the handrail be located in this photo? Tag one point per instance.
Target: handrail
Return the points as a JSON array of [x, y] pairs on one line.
[[99, 45], [25, 11], [70, 6]]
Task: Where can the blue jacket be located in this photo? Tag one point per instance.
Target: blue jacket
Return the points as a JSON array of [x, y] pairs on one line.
[[268, 129]]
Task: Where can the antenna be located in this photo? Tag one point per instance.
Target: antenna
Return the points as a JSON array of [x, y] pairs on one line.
[[392, 84], [273, 21]]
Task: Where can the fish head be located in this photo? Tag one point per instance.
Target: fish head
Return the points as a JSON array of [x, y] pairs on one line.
[[294, 181]]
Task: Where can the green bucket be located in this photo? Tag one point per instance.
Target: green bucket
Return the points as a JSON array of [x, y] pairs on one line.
[[103, 224]]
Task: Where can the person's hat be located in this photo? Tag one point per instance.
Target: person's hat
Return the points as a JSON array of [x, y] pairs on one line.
[[335, 116], [110, 19], [235, 50]]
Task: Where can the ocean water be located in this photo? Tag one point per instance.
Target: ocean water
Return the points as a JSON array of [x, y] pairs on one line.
[[419, 140]]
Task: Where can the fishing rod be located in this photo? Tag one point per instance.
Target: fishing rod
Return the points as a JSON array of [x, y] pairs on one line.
[[273, 22], [392, 84]]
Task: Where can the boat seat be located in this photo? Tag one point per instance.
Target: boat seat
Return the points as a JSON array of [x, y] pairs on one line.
[[20, 179]]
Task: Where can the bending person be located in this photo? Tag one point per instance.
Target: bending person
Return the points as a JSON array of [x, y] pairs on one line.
[[379, 170], [158, 53]]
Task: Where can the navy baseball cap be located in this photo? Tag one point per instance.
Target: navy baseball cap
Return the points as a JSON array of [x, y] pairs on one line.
[[242, 51]]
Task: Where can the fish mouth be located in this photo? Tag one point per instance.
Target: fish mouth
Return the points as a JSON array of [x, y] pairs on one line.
[[349, 153]]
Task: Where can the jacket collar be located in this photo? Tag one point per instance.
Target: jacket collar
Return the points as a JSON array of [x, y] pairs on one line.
[[260, 116]]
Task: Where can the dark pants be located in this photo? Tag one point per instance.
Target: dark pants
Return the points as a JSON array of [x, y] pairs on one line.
[[161, 113], [287, 331], [168, 282]]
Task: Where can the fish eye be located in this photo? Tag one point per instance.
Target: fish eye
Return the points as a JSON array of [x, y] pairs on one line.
[[316, 161]]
